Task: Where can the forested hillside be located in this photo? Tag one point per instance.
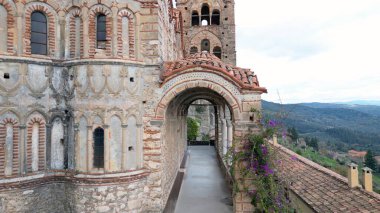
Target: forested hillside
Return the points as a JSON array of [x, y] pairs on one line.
[[343, 126]]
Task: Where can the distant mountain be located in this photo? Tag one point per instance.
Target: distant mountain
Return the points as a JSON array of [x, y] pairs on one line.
[[361, 102], [355, 126], [370, 109]]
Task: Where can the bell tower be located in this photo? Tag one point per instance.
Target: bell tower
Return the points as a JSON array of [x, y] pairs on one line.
[[209, 25]]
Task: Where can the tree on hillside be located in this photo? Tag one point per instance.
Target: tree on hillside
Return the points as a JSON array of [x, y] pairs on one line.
[[312, 142], [293, 134], [370, 161]]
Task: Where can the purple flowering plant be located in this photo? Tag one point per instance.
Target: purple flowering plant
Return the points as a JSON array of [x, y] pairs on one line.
[[254, 159]]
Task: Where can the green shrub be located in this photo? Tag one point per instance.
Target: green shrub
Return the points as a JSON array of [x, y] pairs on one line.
[[192, 129]]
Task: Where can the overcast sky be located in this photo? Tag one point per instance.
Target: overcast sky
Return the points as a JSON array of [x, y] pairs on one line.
[[311, 50]]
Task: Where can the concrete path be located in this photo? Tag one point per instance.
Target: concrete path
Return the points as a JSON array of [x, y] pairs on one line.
[[203, 189]]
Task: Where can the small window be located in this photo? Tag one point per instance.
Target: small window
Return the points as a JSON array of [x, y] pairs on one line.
[[217, 51], [195, 18], [205, 14], [99, 148], [132, 79], [205, 45], [101, 32], [38, 34], [215, 19], [6, 75], [193, 50]]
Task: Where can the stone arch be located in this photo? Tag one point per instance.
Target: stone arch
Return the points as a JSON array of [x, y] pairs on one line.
[[131, 31], [10, 7], [9, 143], [73, 34], [205, 34], [213, 84], [94, 11], [35, 141], [51, 16], [54, 4]]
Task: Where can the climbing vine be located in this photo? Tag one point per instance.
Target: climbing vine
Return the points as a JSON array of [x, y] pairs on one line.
[[254, 167]]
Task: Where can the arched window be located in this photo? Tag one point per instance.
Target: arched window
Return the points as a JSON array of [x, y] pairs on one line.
[[99, 148], [193, 50], [195, 18], [217, 51], [215, 18], [205, 15], [3, 29], [101, 33], [205, 45], [38, 34]]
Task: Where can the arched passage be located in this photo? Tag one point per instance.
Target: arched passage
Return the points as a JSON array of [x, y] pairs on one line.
[[175, 141]]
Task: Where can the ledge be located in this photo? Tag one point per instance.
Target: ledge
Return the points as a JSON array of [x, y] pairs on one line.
[[73, 62], [69, 177]]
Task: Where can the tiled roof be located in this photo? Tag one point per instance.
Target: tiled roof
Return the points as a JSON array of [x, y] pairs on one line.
[[245, 78], [322, 189]]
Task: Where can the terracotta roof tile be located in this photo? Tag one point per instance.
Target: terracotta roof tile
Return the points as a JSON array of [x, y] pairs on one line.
[[209, 62], [322, 189]]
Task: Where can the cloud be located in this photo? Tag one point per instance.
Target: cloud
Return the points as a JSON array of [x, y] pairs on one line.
[[311, 50]]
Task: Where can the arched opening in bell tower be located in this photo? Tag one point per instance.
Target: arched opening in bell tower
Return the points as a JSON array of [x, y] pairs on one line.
[[205, 15], [195, 18], [215, 18]]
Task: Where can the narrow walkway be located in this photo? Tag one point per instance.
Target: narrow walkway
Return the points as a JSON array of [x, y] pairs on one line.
[[204, 189]]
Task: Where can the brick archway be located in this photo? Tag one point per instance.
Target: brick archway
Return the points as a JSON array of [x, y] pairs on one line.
[[198, 83]]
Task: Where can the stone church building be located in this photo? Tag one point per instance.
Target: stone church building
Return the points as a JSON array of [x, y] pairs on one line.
[[94, 96]]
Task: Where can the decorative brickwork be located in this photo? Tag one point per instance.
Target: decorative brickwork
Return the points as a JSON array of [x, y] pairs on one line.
[[51, 18], [94, 12], [131, 33], [3, 133], [71, 21], [11, 12], [41, 142]]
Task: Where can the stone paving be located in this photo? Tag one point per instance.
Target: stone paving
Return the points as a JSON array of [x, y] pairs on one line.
[[204, 189]]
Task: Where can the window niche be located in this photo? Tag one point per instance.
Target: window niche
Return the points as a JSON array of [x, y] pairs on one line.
[[205, 15], [101, 31], [215, 18], [193, 50], [205, 45], [98, 148], [3, 29], [38, 34], [195, 18], [217, 51]]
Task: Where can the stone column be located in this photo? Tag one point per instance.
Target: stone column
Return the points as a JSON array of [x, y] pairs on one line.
[[61, 35], [139, 146], [106, 148], [48, 146], [224, 136], [22, 149], [19, 28], [124, 147], [229, 133], [114, 30], [77, 158], [90, 145]]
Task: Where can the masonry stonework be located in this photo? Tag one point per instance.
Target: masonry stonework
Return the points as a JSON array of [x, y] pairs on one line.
[[102, 128]]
